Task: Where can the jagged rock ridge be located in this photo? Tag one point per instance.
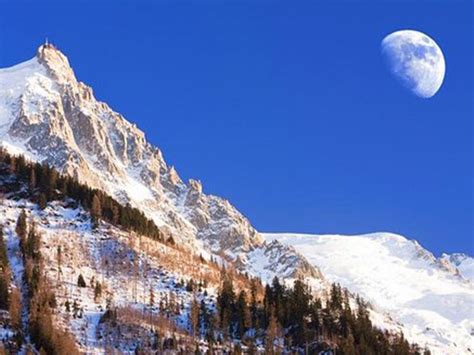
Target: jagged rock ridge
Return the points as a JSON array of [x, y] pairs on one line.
[[48, 115]]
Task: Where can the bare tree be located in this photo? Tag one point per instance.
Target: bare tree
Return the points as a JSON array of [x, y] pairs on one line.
[[194, 316]]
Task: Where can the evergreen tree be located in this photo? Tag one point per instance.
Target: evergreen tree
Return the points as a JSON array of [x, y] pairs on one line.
[[278, 292], [298, 308], [21, 228], [81, 282], [226, 304], [96, 210], [253, 303], [205, 317], [32, 180], [272, 333], [268, 305], [33, 243], [42, 201], [243, 314], [335, 300], [12, 165], [348, 346]]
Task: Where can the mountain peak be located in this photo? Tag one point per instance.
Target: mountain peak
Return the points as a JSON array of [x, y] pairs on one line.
[[55, 62], [52, 117]]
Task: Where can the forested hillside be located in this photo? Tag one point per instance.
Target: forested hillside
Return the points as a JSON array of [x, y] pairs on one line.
[[81, 273]]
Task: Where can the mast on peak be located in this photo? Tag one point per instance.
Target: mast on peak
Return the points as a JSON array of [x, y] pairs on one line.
[[48, 44]]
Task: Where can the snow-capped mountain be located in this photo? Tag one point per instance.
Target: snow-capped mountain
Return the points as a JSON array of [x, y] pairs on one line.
[[399, 277], [48, 115]]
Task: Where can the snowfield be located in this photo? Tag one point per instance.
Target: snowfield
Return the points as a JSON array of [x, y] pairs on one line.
[[434, 304]]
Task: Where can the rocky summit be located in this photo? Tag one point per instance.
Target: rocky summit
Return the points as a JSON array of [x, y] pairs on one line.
[[50, 116]]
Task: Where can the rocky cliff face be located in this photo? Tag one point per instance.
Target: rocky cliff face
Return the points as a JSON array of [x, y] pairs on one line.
[[463, 263], [48, 115]]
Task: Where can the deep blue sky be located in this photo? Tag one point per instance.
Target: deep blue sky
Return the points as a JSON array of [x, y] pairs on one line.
[[284, 108]]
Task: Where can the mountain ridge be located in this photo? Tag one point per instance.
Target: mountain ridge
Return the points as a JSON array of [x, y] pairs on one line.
[[48, 115]]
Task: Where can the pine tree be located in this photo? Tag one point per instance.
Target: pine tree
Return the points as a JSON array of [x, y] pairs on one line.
[[12, 166], [32, 180], [96, 210], [253, 304], [205, 317], [51, 183], [335, 300], [272, 333], [278, 291], [115, 214], [348, 346], [299, 301], [21, 228], [226, 304], [42, 201], [33, 243], [268, 304], [243, 314], [80, 281]]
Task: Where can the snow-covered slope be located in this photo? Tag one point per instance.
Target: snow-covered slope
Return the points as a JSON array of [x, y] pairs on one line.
[[129, 268], [398, 276], [48, 115]]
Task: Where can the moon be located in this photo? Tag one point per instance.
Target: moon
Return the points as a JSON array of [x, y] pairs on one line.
[[415, 60]]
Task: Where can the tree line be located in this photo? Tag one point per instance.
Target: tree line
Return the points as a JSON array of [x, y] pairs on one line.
[[293, 318], [42, 183]]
